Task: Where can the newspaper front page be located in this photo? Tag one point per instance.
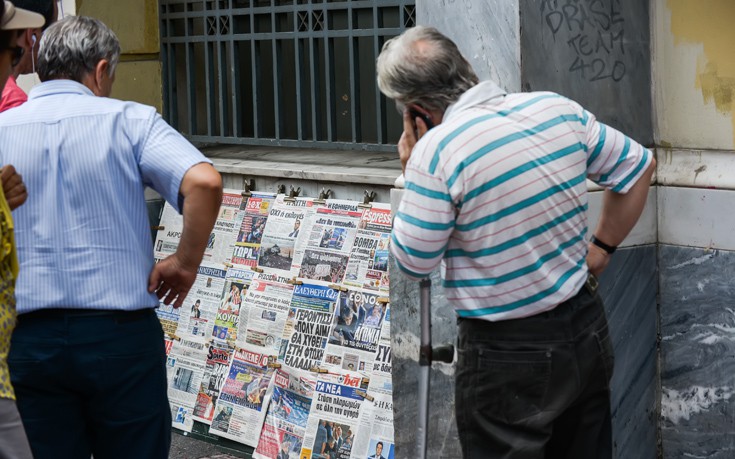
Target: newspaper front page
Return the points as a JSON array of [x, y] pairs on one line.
[[222, 239], [197, 316], [278, 244], [282, 436], [339, 417], [368, 265], [185, 370], [323, 254], [381, 389], [355, 333], [243, 399], [308, 325], [254, 215], [227, 320], [215, 373], [267, 305]]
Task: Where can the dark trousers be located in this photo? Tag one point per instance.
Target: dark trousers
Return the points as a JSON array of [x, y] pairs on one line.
[[537, 387], [92, 382]]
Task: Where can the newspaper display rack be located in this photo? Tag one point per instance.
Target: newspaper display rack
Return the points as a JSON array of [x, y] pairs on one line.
[[283, 343]]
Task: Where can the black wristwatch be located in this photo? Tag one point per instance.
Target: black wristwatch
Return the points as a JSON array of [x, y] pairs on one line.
[[610, 249]]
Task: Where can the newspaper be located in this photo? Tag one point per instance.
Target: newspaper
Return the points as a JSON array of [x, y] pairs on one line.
[[168, 315], [307, 327], [213, 378], [278, 243], [343, 204], [221, 243], [197, 316], [324, 253], [339, 417], [241, 405], [282, 436], [185, 370], [237, 280], [368, 264], [381, 389], [355, 333], [168, 237], [254, 215], [266, 305]]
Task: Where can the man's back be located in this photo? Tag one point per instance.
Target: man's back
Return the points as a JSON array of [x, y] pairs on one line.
[[83, 239], [509, 173]]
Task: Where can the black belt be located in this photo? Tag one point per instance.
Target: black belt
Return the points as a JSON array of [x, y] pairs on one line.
[[60, 313]]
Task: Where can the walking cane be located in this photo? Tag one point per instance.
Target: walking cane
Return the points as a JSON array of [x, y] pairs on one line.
[[427, 355]]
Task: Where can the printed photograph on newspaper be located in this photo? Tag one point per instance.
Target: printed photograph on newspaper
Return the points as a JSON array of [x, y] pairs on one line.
[[227, 320], [285, 421], [185, 372], [215, 374], [356, 328], [254, 216], [368, 265], [339, 419], [240, 408]]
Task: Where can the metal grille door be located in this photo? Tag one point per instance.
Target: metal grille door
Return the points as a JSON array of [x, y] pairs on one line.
[[280, 72]]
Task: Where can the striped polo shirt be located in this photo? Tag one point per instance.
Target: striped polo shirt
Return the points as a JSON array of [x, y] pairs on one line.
[[497, 192]]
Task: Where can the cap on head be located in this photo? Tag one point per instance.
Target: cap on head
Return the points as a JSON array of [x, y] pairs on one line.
[[17, 18]]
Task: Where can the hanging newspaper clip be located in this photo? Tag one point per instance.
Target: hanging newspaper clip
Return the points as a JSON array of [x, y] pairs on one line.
[[158, 228], [337, 287], [274, 365], [292, 194], [318, 370], [368, 198], [295, 281], [382, 300], [323, 196], [364, 395], [248, 187], [256, 269], [281, 189], [365, 381]]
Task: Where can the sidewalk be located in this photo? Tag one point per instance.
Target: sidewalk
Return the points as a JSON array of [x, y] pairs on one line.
[[185, 447]]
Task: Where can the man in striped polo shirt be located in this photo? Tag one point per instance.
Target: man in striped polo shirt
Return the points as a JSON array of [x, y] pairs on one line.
[[495, 188]]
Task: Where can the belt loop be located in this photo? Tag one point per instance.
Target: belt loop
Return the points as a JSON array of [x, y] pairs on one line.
[[592, 284]]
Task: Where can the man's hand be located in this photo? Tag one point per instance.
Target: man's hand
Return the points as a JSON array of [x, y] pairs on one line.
[[413, 130], [597, 259], [171, 280], [13, 187]]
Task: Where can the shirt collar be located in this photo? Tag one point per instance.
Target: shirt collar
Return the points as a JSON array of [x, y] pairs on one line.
[[478, 94], [53, 87]]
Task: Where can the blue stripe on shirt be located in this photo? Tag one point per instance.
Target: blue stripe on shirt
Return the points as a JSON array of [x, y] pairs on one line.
[[505, 141], [600, 144], [469, 124], [424, 224], [519, 239], [416, 253], [525, 301], [621, 158], [428, 192], [523, 204], [623, 183], [535, 266]]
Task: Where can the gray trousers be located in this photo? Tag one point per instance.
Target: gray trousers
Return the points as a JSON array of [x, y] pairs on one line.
[[13, 441]]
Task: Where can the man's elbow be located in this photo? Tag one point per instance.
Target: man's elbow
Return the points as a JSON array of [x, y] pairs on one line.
[[202, 179]]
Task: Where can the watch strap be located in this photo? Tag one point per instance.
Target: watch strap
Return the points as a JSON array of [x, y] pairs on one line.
[[607, 248]]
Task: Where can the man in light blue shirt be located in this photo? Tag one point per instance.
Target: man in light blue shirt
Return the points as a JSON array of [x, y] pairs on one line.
[[87, 358]]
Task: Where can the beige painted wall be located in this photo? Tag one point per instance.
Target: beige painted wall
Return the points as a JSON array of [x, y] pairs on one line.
[[138, 77], [694, 73]]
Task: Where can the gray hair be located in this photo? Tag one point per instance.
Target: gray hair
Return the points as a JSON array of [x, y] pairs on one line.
[[424, 67], [72, 48]]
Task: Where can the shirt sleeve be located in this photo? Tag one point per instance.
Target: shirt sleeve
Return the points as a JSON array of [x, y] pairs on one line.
[[164, 159], [424, 221], [614, 160]]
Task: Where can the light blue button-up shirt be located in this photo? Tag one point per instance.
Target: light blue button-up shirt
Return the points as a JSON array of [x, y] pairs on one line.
[[83, 235]]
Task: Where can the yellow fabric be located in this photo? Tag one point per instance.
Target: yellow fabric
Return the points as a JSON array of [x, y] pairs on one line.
[[8, 274]]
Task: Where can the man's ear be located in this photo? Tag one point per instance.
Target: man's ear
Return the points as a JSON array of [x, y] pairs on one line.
[[101, 71]]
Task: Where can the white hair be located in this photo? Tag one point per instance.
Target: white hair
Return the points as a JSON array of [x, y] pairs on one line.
[[424, 67], [72, 47]]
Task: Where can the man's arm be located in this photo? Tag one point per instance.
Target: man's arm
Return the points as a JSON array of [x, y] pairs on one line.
[[171, 278], [13, 187]]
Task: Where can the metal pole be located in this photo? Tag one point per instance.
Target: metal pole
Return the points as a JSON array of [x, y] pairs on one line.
[[422, 436]]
